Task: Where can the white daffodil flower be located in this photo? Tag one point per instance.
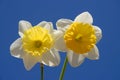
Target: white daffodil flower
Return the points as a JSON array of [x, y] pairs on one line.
[[36, 44], [79, 38]]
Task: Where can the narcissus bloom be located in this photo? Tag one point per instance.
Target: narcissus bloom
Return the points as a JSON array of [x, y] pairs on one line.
[[36, 44], [79, 38]]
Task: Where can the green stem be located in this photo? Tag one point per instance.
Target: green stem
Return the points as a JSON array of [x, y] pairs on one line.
[[63, 69], [42, 71]]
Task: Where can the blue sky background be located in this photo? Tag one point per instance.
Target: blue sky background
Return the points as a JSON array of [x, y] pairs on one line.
[[106, 14]]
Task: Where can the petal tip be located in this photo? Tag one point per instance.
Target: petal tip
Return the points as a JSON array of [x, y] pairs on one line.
[[98, 33], [97, 58], [27, 68], [22, 21], [76, 65], [15, 48], [84, 17]]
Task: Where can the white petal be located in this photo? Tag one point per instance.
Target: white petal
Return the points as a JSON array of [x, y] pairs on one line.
[[47, 25], [85, 17], [16, 48], [62, 24], [57, 34], [23, 26], [29, 61], [98, 33], [75, 59], [60, 44], [51, 58], [93, 54]]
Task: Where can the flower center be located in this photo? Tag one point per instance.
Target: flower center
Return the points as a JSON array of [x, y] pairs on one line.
[[80, 37], [37, 41], [37, 44]]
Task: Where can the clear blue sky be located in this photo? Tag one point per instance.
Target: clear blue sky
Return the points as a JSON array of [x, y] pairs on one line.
[[106, 14]]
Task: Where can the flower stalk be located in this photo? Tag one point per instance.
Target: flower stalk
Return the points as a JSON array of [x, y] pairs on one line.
[[42, 71], [63, 69]]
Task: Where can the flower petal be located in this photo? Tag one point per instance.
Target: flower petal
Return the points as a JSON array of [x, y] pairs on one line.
[[29, 61], [98, 33], [51, 58], [60, 44], [24, 25], [75, 59], [57, 34], [47, 25], [93, 54], [85, 17], [62, 24], [16, 48]]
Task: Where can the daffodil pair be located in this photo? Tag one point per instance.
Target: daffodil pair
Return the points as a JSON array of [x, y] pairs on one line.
[[41, 43]]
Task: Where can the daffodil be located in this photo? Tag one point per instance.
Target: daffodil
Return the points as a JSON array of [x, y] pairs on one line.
[[79, 38], [36, 44]]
